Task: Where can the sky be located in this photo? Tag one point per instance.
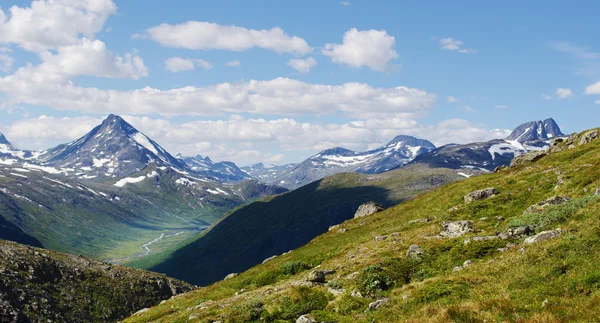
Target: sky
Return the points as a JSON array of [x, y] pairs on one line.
[[277, 81]]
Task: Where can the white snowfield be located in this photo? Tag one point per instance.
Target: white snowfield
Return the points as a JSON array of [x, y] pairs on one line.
[[129, 180]]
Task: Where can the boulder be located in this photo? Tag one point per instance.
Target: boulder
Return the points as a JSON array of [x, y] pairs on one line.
[[269, 259], [376, 304], [481, 194], [333, 227], [516, 232], [367, 209], [588, 137], [230, 276], [306, 318], [543, 236], [316, 276], [380, 238], [456, 229], [555, 200], [414, 252], [528, 158]]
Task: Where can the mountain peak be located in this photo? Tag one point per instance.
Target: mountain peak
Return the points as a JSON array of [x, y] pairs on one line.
[[410, 141], [336, 151], [536, 130], [3, 140], [115, 122]]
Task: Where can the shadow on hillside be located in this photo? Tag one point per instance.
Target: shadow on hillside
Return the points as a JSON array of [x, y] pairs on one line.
[[263, 229]]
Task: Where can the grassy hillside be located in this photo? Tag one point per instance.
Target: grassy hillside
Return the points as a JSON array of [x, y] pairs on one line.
[[556, 280], [40, 285], [278, 224]]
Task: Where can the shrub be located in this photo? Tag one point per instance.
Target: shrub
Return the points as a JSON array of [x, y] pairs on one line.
[[335, 284], [246, 312], [373, 279], [442, 289], [552, 215], [302, 300], [293, 267], [348, 304], [265, 278]]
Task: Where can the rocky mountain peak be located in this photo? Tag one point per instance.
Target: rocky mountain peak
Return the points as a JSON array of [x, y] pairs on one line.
[[536, 130], [336, 151], [3, 140]]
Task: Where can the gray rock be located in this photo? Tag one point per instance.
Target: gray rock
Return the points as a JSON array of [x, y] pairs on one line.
[[423, 220], [555, 200], [467, 263], [230, 276], [482, 238], [597, 191], [335, 291], [516, 232], [367, 209], [306, 318], [380, 238], [457, 268], [588, 137], [269, 259], [395, 234], [456, 229], [352, 275], [316, 276], [333, 227], [356, 294], [341, 230], [414, 252], [528, 158], [376, 304], [481, 194], [543, 236], [453, 209]]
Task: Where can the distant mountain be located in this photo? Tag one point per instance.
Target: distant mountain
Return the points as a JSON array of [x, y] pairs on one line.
[[397, 152], [267, 173], [223, 171], [3, 140], [536, 130], [530, 136], [112, 149]]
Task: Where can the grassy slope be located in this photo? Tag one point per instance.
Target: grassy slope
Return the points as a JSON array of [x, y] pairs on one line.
[[285, 222], [556, 280]]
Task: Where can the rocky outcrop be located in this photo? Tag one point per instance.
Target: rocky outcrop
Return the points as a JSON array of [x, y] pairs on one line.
[[555, 200], [40, 285], [376, 304], [543, 236], [306, 319], [316, 276], [456, 229], [414, 252], [528, 158], [367, 209], [480, 194]]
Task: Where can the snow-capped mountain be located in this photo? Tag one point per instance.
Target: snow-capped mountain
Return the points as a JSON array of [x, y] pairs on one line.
[[530, 136], [10, 154], [224, 171], [397, 152], [267, 173], [536, 130]]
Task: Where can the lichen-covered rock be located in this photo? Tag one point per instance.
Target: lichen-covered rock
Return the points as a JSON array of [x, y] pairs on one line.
[[316, 276], [380, 238], [481, 194], [543, 236], [555, 200], [456, 229], [414, 252], [588, 137], [516, 232], [269, 259], [306, 318], [376, 304], [230, 276], [528, 158], [367, 209]]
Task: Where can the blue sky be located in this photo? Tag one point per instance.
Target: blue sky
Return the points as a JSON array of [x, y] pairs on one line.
[[503, 63]]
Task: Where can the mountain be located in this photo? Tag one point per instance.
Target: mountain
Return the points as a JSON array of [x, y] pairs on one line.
[[284, 222], [536, 130], [267, 173], [112, 149], [530, 136], [224, 171], [397, 152], [40, 285], [528, 253], [3, 140]]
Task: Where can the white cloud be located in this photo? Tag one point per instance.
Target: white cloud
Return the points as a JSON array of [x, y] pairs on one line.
[[89, 57], [451, 99], [500, 106], [452, 44], [593, 88], [271, 97], [345, 3], [302, 65], [576, 51], [597, 102], [6, 63], [242, 140], [179, 64], [372, 48], [49, 24], [205, 35], [233, 64], [563, 93], [547, 97]]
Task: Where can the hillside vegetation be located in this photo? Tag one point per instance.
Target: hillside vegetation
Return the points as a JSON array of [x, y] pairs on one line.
[[285, 222], [446, 278]]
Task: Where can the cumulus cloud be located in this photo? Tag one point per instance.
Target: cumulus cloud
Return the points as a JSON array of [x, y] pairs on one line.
[[233, 64], [271, 97], [6, 63], [451, 99], [251, 140], [179, 64], [371, 48], [204, 35], [345, 3], [593, 88], [49, 24], [452, 44], [302, 65], [563, 93]]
